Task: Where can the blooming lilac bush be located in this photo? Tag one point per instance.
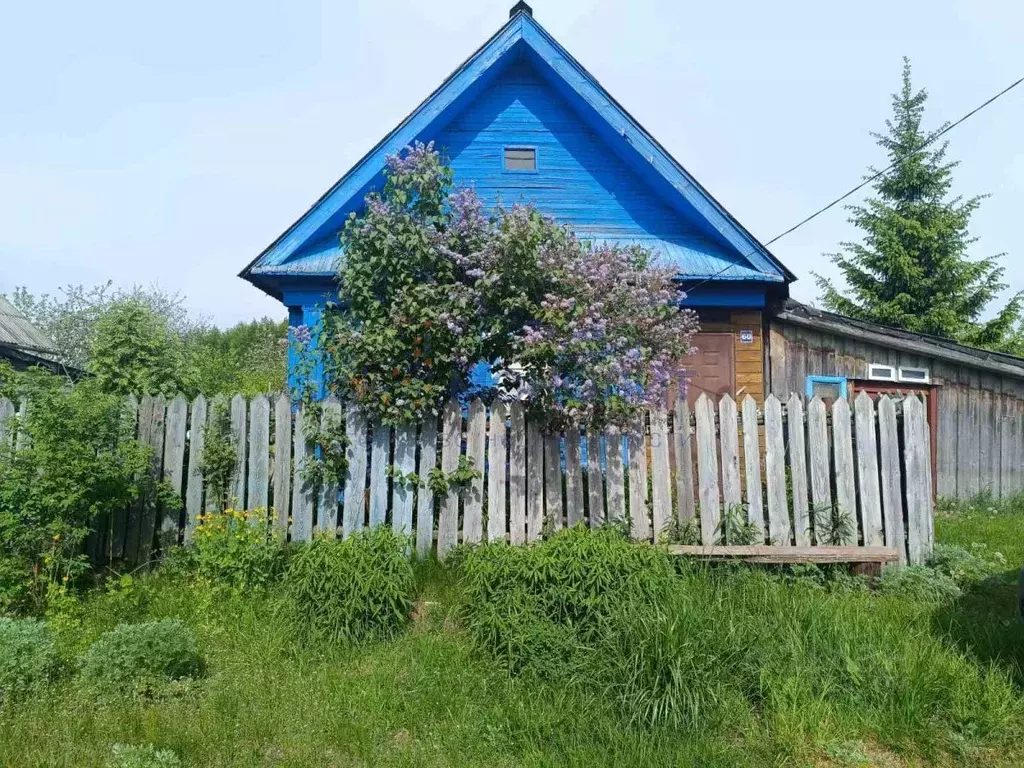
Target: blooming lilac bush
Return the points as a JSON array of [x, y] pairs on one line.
[[430, 285]]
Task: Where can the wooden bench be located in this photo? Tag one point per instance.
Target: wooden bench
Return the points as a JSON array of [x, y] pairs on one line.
[[866, 560]]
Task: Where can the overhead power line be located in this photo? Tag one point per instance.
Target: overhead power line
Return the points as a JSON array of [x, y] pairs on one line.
[[932, 139]]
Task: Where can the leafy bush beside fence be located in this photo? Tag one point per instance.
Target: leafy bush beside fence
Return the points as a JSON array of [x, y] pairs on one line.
[[351, 590], [28, 659]]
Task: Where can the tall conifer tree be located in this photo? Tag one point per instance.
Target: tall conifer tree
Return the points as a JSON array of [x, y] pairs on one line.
[[912, 269]]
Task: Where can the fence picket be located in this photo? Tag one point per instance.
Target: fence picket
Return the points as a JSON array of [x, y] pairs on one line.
[[779, 528], [752, 466], [354, 510], [682, 439], [448, 524], [282, 460], [497, 469], [846, 491], [6, 422], [818, 452], [302, 493], [117, 543], [707, 469], [380, 459], [403, 489], [327, 504], [238, 438], [147, 520], [616, 512], [661, 473], [425, 496], [21, 433], [731, 493], [174, 465], [573, 476], [259, 459], [798, 469], [917, 462], [517, 475], [218, 408], [892, 484], [194, 482], [595, 480], [867, 469], [553, 480], [534, 481], [639, 514], [473, 500]]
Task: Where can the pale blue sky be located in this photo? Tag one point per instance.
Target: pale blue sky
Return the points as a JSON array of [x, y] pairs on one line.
[[170, 143]]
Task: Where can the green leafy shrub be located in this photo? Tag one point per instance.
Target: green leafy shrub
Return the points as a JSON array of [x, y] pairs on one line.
[[78, 462], [967, 566], [141, 658], [142, 756], [352, 590], [27, 657], [537, 607], [227, 548]]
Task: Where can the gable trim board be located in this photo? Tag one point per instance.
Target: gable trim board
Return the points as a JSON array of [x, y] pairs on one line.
[[309, 247]]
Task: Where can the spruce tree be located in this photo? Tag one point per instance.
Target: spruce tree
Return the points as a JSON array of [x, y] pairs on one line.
[[912, 269]]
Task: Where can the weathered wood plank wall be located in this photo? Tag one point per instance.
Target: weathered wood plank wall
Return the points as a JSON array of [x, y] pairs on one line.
[[979, 415], [526, 482]]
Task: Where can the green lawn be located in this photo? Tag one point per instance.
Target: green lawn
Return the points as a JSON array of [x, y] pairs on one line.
[[430, 699]]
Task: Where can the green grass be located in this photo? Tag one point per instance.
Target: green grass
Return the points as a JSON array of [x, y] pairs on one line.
[[784, 671], [983, 622]]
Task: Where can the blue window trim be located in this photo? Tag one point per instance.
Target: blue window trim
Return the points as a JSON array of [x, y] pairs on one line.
[[812, 380], [536, 159]]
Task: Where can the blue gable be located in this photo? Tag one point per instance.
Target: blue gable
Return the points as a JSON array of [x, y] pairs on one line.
[[597, 170]]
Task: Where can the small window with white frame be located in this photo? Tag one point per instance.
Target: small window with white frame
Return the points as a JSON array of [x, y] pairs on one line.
[[880, 372], [915, 375]]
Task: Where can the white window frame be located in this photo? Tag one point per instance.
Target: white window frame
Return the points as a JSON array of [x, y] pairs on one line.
[[875, 376], [927, 378]]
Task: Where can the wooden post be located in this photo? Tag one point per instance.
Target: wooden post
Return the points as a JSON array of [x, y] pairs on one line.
[[497, 449], [661, 473], [302, 494], [327, 511], [867, 470], [731, 493], [405, 463], [282, 461], [174, 464], [573, 476], [534, 481], [846, 492], [196, 443], [798, 470], [451, 446], [517, 475], [595, 479], [473, 505], [775, 468], [380, 459], [683, 444], [818, 452], [639, 515], [616, 477], [259, 459], [918, 480], [707, 469], [238, 408], [892, 482], [425, 496], [752, 465], [354, 511]]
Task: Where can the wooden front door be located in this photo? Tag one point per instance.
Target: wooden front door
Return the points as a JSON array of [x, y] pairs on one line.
[[712, 368]]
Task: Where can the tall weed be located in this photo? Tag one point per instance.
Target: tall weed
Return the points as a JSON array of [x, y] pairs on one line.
[[353, 590]]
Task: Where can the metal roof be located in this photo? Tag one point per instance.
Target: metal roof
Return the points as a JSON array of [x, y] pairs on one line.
[[17, 332]]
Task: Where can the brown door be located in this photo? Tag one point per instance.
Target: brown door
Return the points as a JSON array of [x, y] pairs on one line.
[[712, 368]]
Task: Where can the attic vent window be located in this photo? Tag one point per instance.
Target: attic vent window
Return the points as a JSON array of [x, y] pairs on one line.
[[520, 159]]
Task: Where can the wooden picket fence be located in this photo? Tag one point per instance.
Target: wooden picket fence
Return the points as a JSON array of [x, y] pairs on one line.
[[780, 466]]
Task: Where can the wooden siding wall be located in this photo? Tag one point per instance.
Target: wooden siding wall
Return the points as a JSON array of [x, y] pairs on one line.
[[980, 430], [749, 357]]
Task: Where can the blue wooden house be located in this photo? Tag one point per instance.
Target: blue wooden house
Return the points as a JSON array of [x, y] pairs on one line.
[[522, 121]]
